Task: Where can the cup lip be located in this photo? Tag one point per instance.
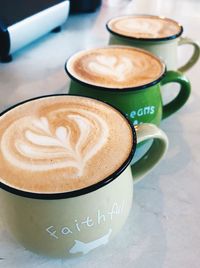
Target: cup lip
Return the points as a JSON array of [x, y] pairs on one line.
[[171, 37], [115, 89], [82, 191]]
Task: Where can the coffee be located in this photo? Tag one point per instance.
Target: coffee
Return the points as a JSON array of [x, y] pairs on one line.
[[144, 26], [62, 143], [116, 67]]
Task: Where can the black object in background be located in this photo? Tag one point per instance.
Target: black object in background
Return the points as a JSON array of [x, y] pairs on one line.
[[23, 21], [13, 11], [79, 6]]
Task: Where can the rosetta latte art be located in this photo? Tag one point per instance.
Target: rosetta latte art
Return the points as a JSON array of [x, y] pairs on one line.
[[45, 143]]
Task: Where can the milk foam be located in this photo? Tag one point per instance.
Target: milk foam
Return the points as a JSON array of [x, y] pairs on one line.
[[38, 140], [115, 67], [58, 147], [144, 26]]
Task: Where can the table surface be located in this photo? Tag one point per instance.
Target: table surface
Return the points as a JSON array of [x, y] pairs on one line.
[[163, 227]]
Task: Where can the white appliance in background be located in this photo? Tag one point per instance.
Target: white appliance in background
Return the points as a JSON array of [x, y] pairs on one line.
[[22, 21]]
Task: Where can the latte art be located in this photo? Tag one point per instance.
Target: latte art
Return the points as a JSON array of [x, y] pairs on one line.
[[144, 26], [61, 143], [55, 149], [115, 67]]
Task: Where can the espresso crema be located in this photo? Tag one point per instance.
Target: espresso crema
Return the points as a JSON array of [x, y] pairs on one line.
[[62, 143], [144, 26], [115, 67]]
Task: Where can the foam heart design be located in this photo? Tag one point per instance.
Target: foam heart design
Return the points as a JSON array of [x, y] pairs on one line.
[[117, 68], [106, 60]]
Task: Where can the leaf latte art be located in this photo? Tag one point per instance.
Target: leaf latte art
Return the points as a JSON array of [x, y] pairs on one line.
[[55, 148]]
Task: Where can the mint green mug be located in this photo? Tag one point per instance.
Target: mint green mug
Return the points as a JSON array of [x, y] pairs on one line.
[[159, 35], [127, 78], [48, 211]]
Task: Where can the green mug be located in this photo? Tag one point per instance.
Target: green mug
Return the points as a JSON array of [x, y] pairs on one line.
[[159, 35], [54, 221], [140, 100]]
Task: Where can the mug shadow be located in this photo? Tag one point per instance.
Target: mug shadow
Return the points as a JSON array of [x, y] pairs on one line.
[[179, 153]]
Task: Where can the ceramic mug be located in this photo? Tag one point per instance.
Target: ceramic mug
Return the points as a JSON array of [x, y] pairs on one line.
[[165, 47], [142, 103], [73, 223]]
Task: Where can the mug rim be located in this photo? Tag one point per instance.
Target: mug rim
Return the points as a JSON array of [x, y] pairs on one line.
[[171, 37], [82, 191], [115, 89]]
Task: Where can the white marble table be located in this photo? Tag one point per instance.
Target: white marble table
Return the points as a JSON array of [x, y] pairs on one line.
[[162, 230]]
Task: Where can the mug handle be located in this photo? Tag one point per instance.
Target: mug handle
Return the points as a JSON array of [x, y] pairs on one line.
[[195, 55], [154, 154], [183, 95]]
